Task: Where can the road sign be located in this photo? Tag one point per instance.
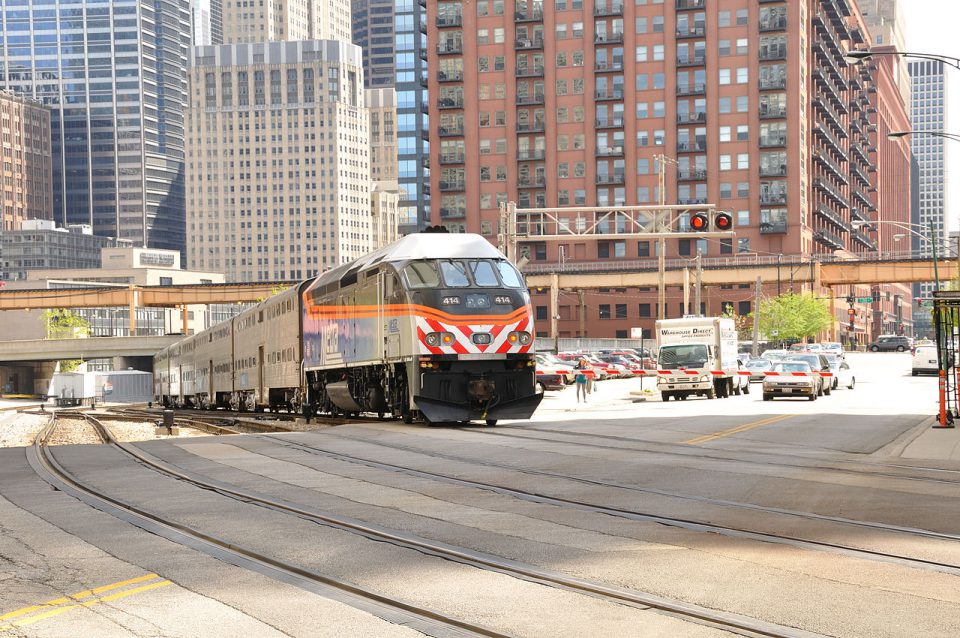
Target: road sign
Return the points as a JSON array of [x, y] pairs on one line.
[[864, 299]]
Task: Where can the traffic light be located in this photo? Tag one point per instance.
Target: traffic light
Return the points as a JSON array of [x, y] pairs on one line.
[[723, 221], [699, 222], [850, 299], [852, 312]]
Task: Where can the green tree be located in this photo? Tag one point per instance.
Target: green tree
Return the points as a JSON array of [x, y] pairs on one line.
[[61, 323], [744, 323], [794, 316]]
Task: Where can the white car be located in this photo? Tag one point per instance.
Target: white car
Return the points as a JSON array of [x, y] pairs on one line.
[[925, 360], [842, 374], [833, 347], [549, 363]]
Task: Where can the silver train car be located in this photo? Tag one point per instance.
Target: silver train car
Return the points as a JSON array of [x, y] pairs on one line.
[[435, 327]]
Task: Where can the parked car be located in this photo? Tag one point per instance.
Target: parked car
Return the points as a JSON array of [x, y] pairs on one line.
[[921, 342], [820, 368], [833, 347], [757, 367], [842, 375], [549, 363], [889, 343], [631, 367], [549, 381], [774, 355], [791, 379], [925, 360]]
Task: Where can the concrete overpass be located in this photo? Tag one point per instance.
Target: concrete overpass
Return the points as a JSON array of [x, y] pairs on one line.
[[38, 350]]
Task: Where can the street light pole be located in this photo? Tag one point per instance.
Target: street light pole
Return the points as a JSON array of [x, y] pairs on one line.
[[862, 55]]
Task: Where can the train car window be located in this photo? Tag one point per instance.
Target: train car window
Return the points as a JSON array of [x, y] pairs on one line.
[[421, 274], [454, 274], [483, 273], [509, 275]]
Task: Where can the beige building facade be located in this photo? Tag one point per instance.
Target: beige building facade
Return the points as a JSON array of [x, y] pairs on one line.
[[278, 165], [26, 161], [290, 20], [385, 186]]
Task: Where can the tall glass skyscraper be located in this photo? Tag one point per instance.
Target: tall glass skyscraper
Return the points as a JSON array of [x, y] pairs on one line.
[[114, 73], [392, 34]]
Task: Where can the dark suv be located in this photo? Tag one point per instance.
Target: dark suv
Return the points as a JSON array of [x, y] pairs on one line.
[[889, 344]]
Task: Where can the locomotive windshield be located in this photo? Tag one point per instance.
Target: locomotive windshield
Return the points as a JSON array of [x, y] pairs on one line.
[[456, 273]]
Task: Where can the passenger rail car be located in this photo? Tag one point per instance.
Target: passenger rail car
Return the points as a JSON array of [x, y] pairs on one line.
[[435, 326]]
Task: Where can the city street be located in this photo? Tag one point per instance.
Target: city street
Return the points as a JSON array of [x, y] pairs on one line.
[[793, 514]]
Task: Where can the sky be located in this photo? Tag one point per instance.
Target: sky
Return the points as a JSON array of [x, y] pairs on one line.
[[931, 26]]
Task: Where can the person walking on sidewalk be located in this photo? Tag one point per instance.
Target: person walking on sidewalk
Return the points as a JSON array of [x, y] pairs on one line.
[[581, 380]]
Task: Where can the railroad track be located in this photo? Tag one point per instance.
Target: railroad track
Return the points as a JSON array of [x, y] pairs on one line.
[[46, 465], [689, 524]]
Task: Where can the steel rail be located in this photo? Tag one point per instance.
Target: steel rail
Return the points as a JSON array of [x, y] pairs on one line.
[[430, 622]]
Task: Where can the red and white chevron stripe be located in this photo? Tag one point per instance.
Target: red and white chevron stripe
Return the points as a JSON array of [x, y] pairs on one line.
[[463, 341]]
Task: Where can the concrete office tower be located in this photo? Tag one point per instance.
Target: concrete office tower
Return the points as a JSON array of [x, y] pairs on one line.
[[272, 20], [26, 178], [395, 54], [278, 177], [114, 77], [384, 195], [928, 113], [206, 22]]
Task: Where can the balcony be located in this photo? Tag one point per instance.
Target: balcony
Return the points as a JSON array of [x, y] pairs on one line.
[[773, 84], [776, 23], [778, 170], [690, 175], [450, 103], [609, 151], [536, 98], [450, 131], [691, 118], [692, 147], [452, 187], [832, 167], [602, 10], [830, 190], [771, 54], [609, 122], [537, 126], [601, 96], [864, 240], [608, 67], [695, 32], [608, 38], [450, 47], [450, 21], [453, 213], [773, 226], [529, 72], [449, 76], [537, 182], [825, 108], [826, 213], [616, 178], [691, 60], [773, 198], [530, 154], [857, 150], [683, 5], [773, 141], [829, 139], [859, 215], [691, 89], [528, 44], [860, 196], [692, 201], [451, 158], [534, 14], [828, 239], [859, 173], [768, 112]]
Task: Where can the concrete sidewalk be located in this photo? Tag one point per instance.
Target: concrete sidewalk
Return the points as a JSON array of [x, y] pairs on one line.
[[933, 443]]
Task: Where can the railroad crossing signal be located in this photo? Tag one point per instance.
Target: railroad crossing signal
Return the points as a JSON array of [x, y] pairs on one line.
[[701, 222]]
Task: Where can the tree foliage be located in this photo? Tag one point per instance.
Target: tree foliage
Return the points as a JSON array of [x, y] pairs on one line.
[[794, 316], [61, 323]]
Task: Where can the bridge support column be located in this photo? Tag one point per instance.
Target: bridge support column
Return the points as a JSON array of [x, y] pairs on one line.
[[132, 302], [833, 313], [555, 307], [185, 315]]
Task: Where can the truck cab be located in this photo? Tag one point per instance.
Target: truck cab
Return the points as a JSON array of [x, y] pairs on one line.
[[698, 356]]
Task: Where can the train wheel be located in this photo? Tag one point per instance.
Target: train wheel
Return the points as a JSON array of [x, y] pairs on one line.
[[407, 417], [491, 422]]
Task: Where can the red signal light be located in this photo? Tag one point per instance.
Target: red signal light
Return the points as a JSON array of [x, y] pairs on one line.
[[723, 221], [699, 222], [852, 312]]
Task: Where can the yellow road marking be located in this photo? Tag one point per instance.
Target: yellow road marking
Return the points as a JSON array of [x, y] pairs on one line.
[[88, 603], [78, 596], [735, 430]]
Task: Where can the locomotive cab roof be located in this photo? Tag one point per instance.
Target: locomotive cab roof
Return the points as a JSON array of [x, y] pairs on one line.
[[413, 247]]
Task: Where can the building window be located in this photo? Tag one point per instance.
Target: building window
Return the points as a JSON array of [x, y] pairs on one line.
[[684, 247], [644, 310], [604, 311], [620, 311], [542, 313]]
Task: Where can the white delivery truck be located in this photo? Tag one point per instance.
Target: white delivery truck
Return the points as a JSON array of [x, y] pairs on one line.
[[698, 356]]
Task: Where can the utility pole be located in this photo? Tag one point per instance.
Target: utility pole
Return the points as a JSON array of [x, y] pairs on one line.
[[755, 351], [686, 291], [662, 242], [699, 285]]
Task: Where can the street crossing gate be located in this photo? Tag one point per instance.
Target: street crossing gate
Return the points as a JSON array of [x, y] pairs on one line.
[[946, 322]]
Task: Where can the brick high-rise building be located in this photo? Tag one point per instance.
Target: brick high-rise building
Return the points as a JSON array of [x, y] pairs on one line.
[[26, 177], [751, 103], [278, 171]]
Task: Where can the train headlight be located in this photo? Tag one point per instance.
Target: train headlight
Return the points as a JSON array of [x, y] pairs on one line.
[[522, 337], [436, 339]]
